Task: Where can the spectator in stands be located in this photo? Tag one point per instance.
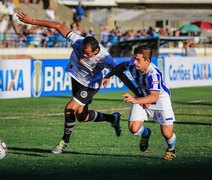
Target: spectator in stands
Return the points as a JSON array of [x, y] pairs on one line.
[[91, 32], [118, 32], [45, 4], [75, 28], [163, 32], [21, 31], [50, 11], [50, 38], [11, 38], [74, 18], [151, 32], [129, 35], [3, 27], [113, 38], [11, 9], [190, 48], [104, 36], [80, 11], [60, 41]]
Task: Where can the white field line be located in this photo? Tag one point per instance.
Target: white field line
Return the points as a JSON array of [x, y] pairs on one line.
[[105, 110], [61, 114], [197, 101], [17, 117]]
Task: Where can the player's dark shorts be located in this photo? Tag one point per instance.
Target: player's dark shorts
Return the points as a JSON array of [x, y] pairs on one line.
[[83, 95]]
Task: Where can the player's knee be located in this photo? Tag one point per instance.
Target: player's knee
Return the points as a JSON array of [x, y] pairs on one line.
[[82, 117], [70, 115], [134, 129]]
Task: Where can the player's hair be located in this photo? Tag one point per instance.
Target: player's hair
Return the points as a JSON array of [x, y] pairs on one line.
[[145, 50], [92, 42]]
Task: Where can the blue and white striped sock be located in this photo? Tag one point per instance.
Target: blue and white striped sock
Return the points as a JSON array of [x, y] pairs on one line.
[[171, 142]]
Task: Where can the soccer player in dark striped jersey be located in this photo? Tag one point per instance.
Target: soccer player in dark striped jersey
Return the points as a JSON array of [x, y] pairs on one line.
[[87, 61], [153, 99]]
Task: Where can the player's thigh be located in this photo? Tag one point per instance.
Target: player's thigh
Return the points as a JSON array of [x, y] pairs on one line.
[[137, 113], [136, 117], [72, 104], [81, 94], [163, 117]]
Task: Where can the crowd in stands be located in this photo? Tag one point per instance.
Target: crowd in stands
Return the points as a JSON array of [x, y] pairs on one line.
[[15, 34]]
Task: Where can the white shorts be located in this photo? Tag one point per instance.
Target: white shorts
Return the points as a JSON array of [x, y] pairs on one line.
[[163, 117]]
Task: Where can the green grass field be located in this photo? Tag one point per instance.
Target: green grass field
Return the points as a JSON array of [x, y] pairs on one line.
[[32, 127]]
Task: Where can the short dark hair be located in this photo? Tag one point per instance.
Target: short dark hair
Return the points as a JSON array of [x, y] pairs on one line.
[[92, 42], [145, 50]]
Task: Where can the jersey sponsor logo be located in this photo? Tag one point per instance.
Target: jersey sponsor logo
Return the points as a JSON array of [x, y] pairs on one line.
[[83, 94]]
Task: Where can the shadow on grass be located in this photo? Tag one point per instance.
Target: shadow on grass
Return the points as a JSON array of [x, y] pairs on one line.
[[27, 151], [32, 151], [27, 154]]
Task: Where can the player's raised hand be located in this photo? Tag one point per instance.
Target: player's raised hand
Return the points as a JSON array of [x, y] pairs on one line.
[[24, 18]]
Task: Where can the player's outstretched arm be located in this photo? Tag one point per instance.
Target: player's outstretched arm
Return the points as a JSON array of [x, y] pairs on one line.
[[63, 30], [118, 71]]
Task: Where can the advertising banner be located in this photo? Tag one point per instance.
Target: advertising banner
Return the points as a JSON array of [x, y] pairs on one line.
[[188, 71], [49, 77], [45, 77], [15, 78]]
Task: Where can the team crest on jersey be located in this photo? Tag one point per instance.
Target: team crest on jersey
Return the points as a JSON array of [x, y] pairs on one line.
[[83, 94]]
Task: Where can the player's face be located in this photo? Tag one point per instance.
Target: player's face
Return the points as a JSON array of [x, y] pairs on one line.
[[140, 63], [88, 53]]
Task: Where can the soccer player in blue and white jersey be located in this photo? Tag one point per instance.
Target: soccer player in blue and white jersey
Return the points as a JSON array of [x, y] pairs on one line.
[[153, 99], [87, 61]]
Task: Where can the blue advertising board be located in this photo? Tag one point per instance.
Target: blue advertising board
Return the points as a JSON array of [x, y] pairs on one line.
[[49, 78]]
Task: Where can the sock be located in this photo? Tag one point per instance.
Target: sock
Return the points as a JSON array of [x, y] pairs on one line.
[[104, 117], [143, 131], [69, 124], [171, 142]]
